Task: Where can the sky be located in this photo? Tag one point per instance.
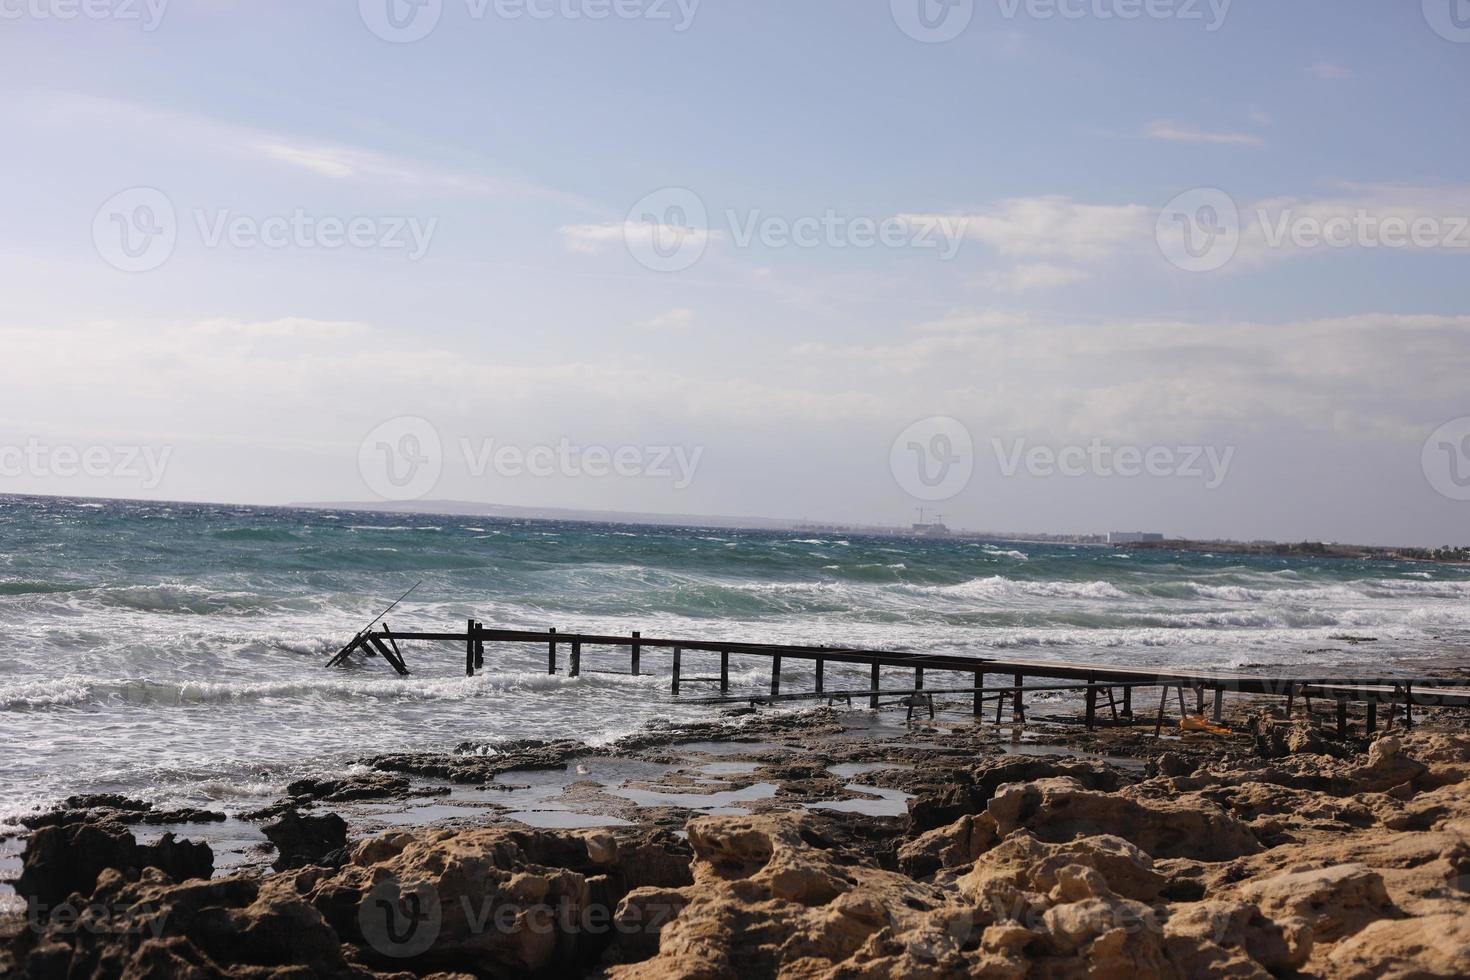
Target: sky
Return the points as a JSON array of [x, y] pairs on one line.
[[1051, 265]]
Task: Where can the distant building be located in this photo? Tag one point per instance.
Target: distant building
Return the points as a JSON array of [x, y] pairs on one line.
[[1133, 537], [933, 529]]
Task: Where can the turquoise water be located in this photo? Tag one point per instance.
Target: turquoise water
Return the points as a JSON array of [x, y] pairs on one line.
[[175, 651]]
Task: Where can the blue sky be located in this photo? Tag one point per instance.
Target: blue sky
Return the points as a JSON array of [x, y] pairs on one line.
[[518, 145]]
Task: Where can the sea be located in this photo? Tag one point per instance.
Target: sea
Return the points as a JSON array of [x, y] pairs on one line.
[[176, 652]]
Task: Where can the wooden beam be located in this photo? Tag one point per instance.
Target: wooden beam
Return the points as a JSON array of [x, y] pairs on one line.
[[677, 655], [1091, 705], [551, 652], [479, 646], [775, 675], [724, 671], [873, 686], [821, 664], [576, 666], [979, 704], [637, 653], [469, 650]]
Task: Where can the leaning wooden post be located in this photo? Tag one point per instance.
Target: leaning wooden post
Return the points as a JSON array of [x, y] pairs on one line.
[[775, 675], [724, 671], [479, 645], [677, 655], [637, 652], [873, 686], [820, 665], [979, 705], [469, 650], [551, 652], [576, 659]]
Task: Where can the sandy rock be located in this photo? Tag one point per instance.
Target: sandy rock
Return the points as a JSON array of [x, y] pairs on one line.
[[1435, 946], [1332, 902], [1024, 864], [956, 845], [1059, 809], [1232, 938]]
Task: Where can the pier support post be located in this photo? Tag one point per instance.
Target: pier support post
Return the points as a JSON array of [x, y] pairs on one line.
[[479, 646], [1342, 718], [1219, 711], [678, 655], [978, 705], [873, 687], [724, 671], [1372, 722], [637, 653], [775, 675], [821, 666], [576, 659], [551, 652], [918, 678], [469, 649], [1127, 702], [1018, 705], [1199, 699], [1091, 704]]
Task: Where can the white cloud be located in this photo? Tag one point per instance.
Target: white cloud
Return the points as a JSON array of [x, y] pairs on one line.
[[1035, 275], [1176, 133], [1052, 226], [679, 318], [1327, 71], [593, 238]]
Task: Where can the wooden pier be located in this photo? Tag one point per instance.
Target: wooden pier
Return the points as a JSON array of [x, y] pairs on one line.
[[1107, 689]]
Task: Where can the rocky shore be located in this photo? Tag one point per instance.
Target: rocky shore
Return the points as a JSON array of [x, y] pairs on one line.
[[1274, 853]]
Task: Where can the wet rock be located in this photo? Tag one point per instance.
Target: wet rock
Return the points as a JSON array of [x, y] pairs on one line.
[[301, 839], [62, 860], [365, 786], [968, 791]]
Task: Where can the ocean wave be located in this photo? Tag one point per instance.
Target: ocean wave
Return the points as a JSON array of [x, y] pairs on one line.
[[1001, 587]]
